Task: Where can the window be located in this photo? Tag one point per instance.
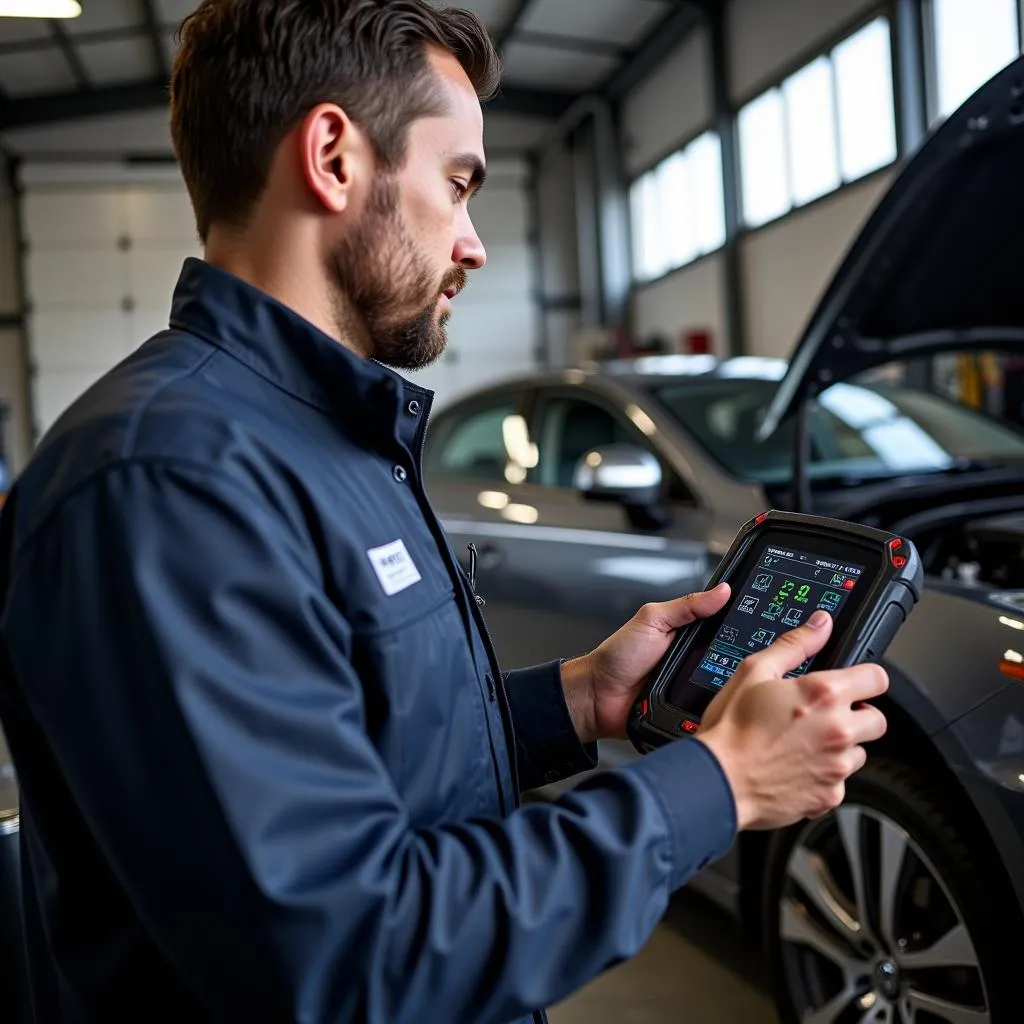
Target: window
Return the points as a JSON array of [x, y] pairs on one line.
[[649, 259], [864, 101], [762, 129], [831, 122], [813, 160], [570, 428], [471, 445], [867, 430], [971, 41], [678, 209]]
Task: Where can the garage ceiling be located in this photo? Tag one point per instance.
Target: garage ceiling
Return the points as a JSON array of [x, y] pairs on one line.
[[115, 57]]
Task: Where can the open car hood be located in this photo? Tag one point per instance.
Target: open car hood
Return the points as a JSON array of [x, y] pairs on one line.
[[938, 265]]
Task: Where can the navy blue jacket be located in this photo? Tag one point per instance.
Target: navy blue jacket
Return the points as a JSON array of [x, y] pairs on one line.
[[270, 769]]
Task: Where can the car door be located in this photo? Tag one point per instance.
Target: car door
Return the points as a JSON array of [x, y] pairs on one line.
[[560, 573]]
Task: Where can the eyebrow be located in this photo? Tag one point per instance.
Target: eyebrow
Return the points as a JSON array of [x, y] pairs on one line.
[[472, 163]]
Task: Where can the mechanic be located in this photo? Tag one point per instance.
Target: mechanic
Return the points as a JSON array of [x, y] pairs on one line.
[[270, 768]]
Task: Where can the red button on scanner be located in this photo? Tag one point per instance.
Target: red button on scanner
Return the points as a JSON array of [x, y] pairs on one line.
[[849, 584], [688, 726], [643, 709], [895, 544], [899, 561]]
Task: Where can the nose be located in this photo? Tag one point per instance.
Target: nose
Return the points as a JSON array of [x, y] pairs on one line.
[[469, 252]]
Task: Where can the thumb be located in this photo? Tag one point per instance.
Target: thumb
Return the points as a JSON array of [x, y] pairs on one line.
[[792, 649], [671, 615]]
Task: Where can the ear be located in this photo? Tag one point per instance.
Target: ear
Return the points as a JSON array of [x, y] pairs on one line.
[[329, 150]]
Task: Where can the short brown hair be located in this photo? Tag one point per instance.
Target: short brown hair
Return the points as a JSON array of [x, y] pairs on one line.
[[247, 71]]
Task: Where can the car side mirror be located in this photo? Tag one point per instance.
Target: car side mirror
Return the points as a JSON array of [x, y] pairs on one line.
[[619, 472]]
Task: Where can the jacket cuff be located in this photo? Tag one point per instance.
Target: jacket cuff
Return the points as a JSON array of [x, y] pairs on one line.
[[547, 746], [689, 784]]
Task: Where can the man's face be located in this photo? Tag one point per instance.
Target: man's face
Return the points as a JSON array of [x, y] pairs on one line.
[[398, 267]]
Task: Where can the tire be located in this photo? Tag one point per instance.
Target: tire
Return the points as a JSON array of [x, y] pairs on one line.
[[935, 906]]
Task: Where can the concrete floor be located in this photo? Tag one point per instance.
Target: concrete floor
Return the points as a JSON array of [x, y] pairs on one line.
[[695, 968]]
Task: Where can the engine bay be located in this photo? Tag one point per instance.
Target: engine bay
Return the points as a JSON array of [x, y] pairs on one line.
[[986, 552], [968, 529]]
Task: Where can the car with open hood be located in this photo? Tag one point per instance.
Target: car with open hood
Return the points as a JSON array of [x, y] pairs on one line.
[[587, 492]]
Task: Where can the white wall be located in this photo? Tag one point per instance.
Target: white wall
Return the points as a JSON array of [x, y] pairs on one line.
[[692, 298], [786, 265]]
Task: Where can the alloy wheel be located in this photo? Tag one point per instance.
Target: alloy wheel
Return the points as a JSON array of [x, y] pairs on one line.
[[869, 929]]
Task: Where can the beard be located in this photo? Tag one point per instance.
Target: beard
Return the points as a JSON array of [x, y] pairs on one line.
[[385, 292]]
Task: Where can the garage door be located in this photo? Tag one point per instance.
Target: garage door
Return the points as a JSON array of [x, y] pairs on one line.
[[106, 244], [104, 250]]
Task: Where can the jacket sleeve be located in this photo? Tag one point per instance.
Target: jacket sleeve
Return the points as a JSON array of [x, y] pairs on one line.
[[547, 746], [177, 650]]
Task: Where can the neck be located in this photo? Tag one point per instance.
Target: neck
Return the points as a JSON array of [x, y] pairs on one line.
[[284, 272]]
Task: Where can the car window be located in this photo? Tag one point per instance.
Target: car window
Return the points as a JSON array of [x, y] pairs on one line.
[[470, 444], [568, 426], [856, 429]]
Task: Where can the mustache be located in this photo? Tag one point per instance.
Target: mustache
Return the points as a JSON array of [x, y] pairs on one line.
[[454, 279]]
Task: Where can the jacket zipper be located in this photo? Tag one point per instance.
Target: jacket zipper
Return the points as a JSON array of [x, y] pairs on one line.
[[477, 603], [480, 602], [492, 658]]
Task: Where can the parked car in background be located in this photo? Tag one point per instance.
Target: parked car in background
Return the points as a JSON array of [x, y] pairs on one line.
[[907, 904]]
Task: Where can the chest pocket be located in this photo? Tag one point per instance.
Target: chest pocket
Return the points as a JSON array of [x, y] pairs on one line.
[[425, 704], [427, 716]]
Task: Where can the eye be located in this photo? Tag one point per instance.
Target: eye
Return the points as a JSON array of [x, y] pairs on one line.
[[459, 189]]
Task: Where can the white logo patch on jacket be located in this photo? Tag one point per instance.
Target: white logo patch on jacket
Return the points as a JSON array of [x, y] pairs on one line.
[[394, 567]]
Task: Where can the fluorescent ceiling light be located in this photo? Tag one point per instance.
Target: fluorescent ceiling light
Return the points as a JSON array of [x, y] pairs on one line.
[[40, 8]]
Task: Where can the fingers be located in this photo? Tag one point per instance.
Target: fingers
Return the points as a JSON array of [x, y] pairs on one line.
[[671, 615], [792, 649], [869, 724], [846, 686], [846, 730]]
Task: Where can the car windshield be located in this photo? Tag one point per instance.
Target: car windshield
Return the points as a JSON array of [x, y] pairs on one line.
[[857, 430]]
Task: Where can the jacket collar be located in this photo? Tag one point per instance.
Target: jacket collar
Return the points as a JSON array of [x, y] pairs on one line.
[[294, 355]]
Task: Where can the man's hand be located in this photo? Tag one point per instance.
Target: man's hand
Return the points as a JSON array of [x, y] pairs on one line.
[[601, 687], [787, 746]]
